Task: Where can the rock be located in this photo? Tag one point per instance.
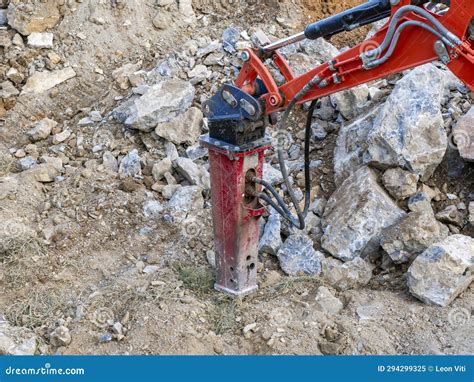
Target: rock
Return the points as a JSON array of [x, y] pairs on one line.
[[443, 271], [327, 302], [15, 76], [130, 165], [351, 146], [161, 168], [349, 275], [122, 75], [43, 173], [270, 242], [194, 174], [60, 336], [16, 340], [319, 50], [399, 183], [409, 130], [3, 17], [57, 163], [152, 209], [196, 152], [186, 9], [411, 236], [186, 199], [463, 135], [110, 162], [26, 163], [297, 256], [40, 82], [272, 175], [40, 40], [161, 103], [7, 90], [169, 190], [420, 202], [450, 215], [355, 216], [186, 128], [31, 17], [199, 73], [41, 130], [162, 20], [351, 102], [471, 213], [61, 137], [230, 37]]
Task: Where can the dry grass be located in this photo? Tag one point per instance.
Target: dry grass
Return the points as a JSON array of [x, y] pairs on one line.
[[40, 309], [199, 279]]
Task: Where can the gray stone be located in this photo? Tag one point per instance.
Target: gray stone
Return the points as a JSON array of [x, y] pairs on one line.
[[61, 336], [409, 131], [272, 175], [196, 152], [318, 132], [319, 50], [41, 40], [420, 202], [16, 341], [351, 146], [186, 128], [230, 37], [351, 102], [171, 151], [349, 275], [3, 17], [270, 242], [161, 103], [297, 256], [194, 174], [152, 209], [443, 271], [355, 216], [7, 90], [26, 163], [399, 183], [130, 164], [412, 236], [463, 135], [61, 137], [43, 173], [42, 130], [169, 190], [186, 199], [110, 162], [450, 215], [327, 302], [161, 168]]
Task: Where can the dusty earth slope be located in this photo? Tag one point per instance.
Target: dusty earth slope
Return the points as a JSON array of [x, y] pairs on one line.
[[106, 237]]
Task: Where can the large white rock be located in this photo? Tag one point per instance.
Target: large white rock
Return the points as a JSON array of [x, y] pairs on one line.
[[298, 257], [161, 103], [15, 340], [186, 128], [356, 214], [40, 82], [351, 146], [443, 271], [409, 130], [412, 235], [41, 40]]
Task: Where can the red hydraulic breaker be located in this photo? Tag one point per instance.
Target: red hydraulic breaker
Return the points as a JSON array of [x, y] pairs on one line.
[[236, 211]]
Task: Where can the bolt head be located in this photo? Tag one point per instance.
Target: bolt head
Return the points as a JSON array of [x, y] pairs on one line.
[[245, 56]]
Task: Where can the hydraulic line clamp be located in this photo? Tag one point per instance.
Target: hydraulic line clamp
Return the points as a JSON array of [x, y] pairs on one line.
[[238, 113]]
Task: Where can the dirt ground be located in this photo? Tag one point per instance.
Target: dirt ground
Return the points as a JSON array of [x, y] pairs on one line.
[[89, 274]]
